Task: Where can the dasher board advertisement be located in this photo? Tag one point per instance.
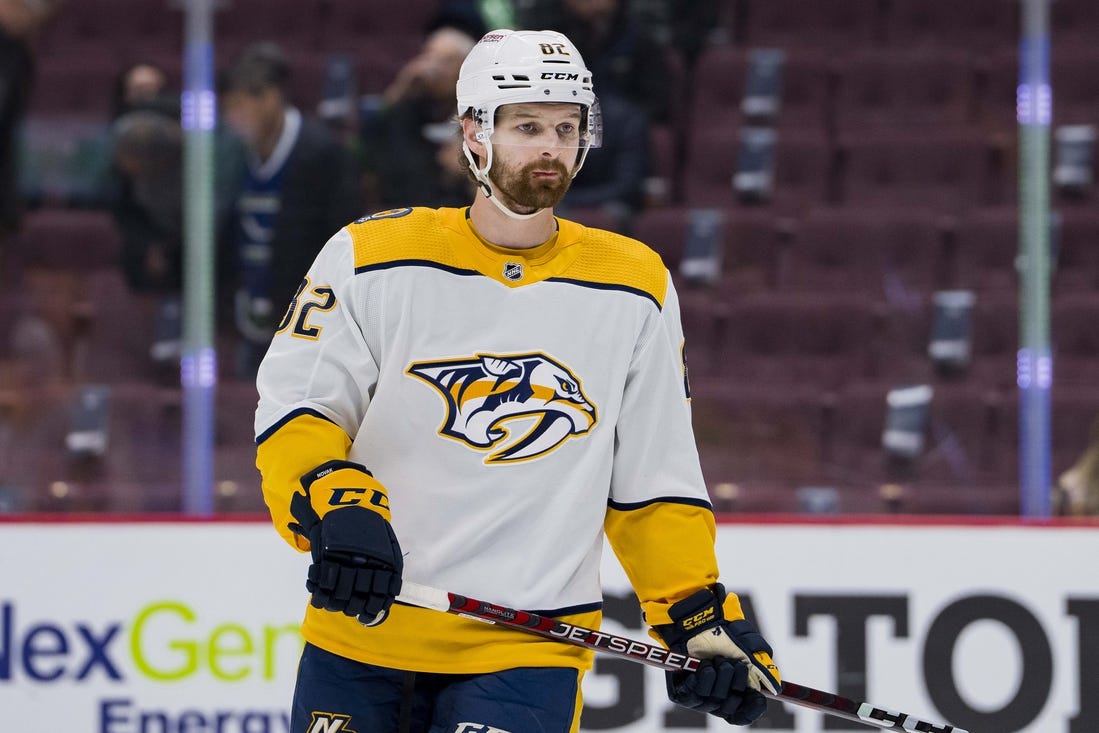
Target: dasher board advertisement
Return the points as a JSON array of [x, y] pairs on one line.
[[191, 627]]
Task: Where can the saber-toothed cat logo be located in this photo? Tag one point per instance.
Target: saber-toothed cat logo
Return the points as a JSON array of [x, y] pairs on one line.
[[519, 406]]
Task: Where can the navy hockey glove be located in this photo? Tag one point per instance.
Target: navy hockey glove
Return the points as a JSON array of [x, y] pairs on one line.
[[736, 661], [357, 562]]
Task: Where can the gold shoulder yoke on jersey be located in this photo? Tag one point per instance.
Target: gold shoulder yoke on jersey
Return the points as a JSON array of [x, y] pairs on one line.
[[420, 235], [613, 261], [401, 235]]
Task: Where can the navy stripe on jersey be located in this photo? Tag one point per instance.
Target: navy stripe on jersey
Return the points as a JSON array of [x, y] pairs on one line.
[[623, 506], [462, 271], [605, 286], [415, 263], [288, 417]]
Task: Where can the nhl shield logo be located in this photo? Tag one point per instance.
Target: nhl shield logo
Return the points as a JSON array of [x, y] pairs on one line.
[[513, 271]]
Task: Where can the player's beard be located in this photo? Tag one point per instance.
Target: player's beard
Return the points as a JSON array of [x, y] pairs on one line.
[[522, 192]]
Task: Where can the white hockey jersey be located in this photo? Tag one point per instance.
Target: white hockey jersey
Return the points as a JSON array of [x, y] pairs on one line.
[[515, 404]]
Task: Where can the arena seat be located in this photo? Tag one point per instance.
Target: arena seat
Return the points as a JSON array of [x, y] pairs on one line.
[[987, 246], [750, 241], [763, 439], [347, 25], [895, 88], [871, 251], [116, 33], [67, 239], [1071, 74], [138, 472], [995, 340], [296, 26], [975, 24], [947, 172], [75, 87], [717, 82], [800, 170], [1075, 338], [237, 481], [1077, 252], [805, 99], [793, 23], [823, 339], [1073, 21]]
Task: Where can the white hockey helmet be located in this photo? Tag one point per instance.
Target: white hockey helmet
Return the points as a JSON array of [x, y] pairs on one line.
[[509, 67], [512, 67]]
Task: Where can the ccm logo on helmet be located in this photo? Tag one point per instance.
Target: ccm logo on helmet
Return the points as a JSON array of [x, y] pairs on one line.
[[560, 75]]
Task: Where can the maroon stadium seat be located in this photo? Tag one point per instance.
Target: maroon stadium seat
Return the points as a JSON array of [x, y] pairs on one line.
[[823, 339], [1074, 21], [347, 25], [947, 172], [904, 89], [797, 23], [987, 246], [875, 252], [296, 26], [1078, 250], [67, 239], [116, 32], [800, 173], [974, 24], [1075, 338]]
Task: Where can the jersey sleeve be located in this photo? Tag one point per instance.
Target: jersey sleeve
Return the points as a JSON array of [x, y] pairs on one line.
[[314, 382], [660, 522]]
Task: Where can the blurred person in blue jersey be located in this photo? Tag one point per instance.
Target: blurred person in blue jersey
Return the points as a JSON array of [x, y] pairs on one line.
[[299, 185], [473, 399]]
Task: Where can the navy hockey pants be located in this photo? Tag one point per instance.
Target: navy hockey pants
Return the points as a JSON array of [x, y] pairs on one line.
[[339, 695]]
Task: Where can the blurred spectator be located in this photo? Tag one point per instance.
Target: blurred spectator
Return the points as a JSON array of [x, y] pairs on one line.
[[19, 21], [625, 58], [148, 207], [475, 18], [415, 116], [1077, 490], [143, 85], [686, 25], [147, 158], [298, 190], [614, 173]]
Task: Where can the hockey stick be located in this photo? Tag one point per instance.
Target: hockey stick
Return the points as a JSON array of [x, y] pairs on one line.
[[623, 647]]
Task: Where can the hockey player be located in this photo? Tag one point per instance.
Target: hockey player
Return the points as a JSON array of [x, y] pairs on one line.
[[472, 399]]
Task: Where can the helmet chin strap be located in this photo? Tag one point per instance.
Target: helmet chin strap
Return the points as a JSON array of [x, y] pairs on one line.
[[485, 185]]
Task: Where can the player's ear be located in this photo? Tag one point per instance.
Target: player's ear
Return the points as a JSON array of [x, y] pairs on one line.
[[471, 133]]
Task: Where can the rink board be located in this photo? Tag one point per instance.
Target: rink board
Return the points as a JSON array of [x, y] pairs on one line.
[[185, 627]]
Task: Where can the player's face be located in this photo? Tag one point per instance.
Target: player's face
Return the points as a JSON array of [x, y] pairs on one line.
[[534, 149]]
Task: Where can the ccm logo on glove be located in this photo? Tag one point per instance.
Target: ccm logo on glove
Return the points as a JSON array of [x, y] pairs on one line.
[[357, 561], [352, 497], [693, 622], [736, 660]]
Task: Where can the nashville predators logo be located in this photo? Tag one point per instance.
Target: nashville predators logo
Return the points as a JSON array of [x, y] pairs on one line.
[[518, 406]]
